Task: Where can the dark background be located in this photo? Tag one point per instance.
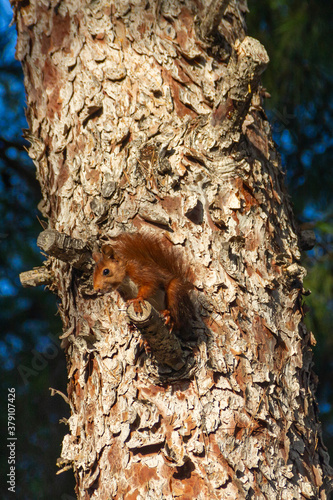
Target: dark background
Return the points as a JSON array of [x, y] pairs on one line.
[[300, 81]]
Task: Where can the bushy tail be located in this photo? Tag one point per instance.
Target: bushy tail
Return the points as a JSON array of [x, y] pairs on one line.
[[180, 304]]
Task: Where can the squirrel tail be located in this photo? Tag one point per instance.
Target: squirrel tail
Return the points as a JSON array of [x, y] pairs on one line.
[[179, 303]]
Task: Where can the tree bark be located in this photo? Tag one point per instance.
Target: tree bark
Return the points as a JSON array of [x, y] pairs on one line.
[[148, 115]]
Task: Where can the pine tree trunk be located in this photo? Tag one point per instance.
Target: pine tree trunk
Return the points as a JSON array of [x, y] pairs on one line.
[[148, 115]]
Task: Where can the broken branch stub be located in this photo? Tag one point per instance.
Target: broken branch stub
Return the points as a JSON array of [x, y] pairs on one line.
[[164, 344], [72, 250], [36, 277]]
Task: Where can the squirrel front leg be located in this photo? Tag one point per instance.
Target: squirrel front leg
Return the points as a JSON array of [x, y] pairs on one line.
[[144, 292]]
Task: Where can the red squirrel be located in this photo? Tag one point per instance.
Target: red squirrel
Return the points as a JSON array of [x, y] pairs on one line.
[[143, 267]]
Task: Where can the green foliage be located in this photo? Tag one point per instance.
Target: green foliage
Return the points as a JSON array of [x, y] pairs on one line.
[[320, 321], [297, 36], [299, 78]]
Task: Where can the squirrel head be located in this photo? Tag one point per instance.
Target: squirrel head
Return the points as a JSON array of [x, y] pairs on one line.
[[109, 270]]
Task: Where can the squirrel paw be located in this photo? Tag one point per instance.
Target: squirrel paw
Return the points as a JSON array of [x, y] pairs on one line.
[[167, 318], [137, 304]]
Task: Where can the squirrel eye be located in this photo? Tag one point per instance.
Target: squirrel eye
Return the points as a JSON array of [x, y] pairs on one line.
[[106, 271]]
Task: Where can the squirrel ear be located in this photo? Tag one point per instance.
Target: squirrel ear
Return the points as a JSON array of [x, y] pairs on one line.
[[108, 251], [96, 256]]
